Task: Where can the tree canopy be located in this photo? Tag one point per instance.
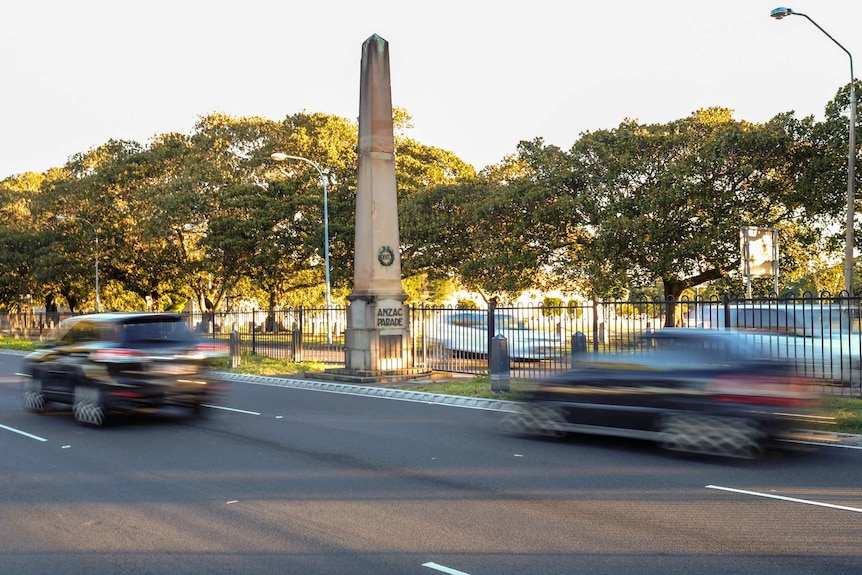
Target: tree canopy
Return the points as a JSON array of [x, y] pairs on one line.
[[209, 215]]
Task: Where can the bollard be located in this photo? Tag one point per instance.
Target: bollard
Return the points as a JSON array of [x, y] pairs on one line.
[[234, 349], [498, 356], [296, 341], [579, 345]]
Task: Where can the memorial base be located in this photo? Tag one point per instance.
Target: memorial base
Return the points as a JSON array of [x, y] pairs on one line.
[[377, 339]]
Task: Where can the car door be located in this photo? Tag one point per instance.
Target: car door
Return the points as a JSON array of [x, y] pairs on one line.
[[62, 367]]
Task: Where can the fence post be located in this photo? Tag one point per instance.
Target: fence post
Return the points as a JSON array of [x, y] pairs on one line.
[[492, 307], [296, 344], [579, 345], [595, 323], [726, 299], [296, 338], [498, 356], [254, 332], [234, 349]]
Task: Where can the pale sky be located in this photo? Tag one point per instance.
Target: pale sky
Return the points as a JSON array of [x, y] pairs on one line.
[[477, 76]]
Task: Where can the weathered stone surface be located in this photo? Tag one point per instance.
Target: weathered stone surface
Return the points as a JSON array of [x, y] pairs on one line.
[[378, 328]]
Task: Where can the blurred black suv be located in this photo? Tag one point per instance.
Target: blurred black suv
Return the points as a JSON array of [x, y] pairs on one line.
[[106, 362]]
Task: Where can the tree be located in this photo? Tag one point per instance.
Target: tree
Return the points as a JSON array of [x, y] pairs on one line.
[[822, 166], [667, 201], [92, 189], [496, 232], [292, 258], [17, 238]]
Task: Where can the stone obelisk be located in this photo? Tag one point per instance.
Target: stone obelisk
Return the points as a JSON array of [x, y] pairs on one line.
[[378, 328]]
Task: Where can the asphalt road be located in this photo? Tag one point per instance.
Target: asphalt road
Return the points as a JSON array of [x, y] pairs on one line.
[[279, 480]]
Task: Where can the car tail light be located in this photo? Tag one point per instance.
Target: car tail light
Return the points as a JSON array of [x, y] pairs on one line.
[[116, 355], [210, 350], [126, 394], [762, 390]]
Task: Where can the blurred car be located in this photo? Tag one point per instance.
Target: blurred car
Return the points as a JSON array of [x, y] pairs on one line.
[[104, 362], [817, 339], [465, 333], [690, 390]]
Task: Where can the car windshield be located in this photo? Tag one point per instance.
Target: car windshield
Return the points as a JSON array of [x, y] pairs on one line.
[[693, 349], [149, 331]]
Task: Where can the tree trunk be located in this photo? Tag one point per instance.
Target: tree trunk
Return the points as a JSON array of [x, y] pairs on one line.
[[672, 291]]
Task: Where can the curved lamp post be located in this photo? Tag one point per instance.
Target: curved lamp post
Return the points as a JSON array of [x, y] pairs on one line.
[[778, 14], [96, 236], [279, 157]]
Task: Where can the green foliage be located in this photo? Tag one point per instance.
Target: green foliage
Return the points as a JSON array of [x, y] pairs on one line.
[[552, 306], [208, 215], [466, 304], [575, 308], [847, 412], [424, 291], [18, 344], [666, 201], [627, 310], [477, 386], [252, 364]]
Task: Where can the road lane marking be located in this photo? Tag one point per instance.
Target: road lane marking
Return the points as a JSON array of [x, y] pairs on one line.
[[24, 433], [232, 409], [819, 444], [448, 570], [783, 498]]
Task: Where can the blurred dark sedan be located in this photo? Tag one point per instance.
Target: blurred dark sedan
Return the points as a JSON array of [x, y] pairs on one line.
[[691, 390], [119, 361]]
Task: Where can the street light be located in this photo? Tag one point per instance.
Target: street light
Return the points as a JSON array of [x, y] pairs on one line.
[[778, 14], [96, 236], [280, 157]]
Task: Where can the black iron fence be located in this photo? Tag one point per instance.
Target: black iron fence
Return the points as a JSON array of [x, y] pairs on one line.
[[821, 335]]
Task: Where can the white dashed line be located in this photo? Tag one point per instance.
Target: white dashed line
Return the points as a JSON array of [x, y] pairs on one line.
[[443, 569], [783, 498], [232, 409], [24, 433]]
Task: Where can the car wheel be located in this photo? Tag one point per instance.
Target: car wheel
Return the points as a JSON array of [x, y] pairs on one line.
[[33, 395], [534, 420], [711, 435], [88, 406]]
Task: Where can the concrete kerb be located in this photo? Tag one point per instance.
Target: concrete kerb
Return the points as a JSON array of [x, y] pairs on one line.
[[373, 391]]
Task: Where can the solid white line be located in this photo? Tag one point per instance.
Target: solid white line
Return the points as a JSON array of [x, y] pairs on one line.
[[232, 409], [841, 445], [782, 498], [24, 433], [448, 570]]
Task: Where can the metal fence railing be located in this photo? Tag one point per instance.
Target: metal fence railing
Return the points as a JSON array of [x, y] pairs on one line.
[[821, 335]]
